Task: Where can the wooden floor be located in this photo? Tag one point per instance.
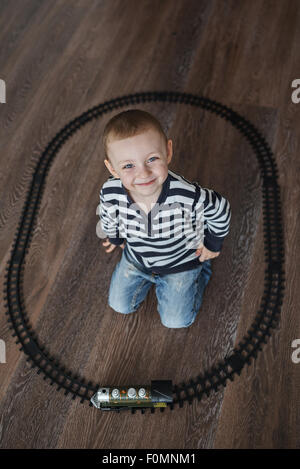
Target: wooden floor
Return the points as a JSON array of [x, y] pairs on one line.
[[59, 59]]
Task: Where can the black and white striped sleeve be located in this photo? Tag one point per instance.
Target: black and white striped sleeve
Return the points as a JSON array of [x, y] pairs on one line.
[[217, 215], [109, 220]]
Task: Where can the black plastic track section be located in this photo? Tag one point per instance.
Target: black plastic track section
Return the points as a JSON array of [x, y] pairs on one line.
[[268, 316]]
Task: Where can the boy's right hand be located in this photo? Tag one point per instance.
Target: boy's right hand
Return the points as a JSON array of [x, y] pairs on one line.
[[111, 246]]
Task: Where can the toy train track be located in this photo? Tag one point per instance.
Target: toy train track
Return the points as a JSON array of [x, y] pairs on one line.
[[267, 318]]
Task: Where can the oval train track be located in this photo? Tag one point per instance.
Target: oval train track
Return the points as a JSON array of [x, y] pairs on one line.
[[266, 319]]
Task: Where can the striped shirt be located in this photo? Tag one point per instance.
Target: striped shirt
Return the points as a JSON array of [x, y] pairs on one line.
[[164, 240]]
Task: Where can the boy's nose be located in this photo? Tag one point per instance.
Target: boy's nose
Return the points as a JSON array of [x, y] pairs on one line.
[[144, 173]]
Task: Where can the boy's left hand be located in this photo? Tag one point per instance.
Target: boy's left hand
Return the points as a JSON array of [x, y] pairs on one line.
[[205, 253]]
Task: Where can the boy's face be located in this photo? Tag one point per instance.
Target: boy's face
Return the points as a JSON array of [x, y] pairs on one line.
[[139, 160]]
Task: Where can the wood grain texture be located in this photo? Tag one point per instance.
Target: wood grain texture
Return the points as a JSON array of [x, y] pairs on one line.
[[58, 60]]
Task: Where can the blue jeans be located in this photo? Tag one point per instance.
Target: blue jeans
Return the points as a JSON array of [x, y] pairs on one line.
[[179, 295]]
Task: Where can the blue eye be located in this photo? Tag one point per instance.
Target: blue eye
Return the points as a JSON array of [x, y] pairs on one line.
[[124, 167]]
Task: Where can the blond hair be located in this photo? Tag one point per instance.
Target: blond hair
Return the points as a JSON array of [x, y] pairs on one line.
[[128, 124]]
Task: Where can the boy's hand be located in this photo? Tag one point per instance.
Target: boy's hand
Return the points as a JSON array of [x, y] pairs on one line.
[[205, 253], [111, 246]]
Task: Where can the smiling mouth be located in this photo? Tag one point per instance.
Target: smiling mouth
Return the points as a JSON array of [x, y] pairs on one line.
[[147, 183]]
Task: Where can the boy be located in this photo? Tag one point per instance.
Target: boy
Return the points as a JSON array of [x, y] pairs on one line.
[[144, 207]]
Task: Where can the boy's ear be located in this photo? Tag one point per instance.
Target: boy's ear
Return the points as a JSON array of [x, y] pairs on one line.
[[169, 151], [110, 168]]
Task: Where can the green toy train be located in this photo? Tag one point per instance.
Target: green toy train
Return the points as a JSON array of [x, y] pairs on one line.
[[159, 394]]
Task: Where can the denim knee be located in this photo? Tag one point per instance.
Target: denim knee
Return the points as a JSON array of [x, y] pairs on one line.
[[179, 325], [123, 307]]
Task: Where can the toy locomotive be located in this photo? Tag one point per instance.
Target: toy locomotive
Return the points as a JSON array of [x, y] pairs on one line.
[[159, 394]]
